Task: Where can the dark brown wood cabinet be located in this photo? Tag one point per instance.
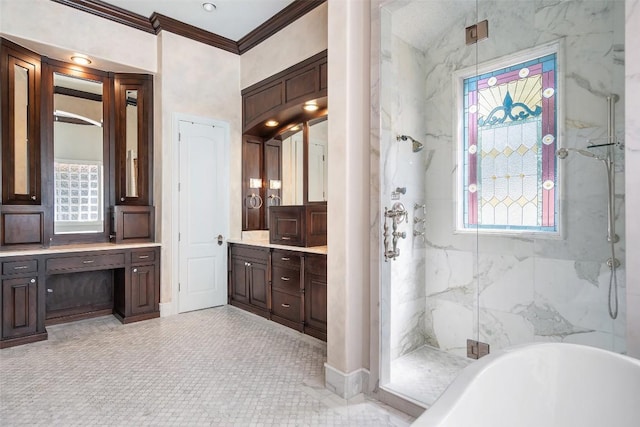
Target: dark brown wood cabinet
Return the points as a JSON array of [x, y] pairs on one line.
[[287, 289], [249, 278], [50, 288], [22, 315], [315, 297], [301, 225], [296, 286]]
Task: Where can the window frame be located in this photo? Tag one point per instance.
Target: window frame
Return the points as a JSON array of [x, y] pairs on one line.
[[554, 47]]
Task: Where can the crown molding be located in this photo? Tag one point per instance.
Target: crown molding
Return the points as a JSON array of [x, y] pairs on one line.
[[164, 23], [158, 22], [111, 12], [286, 16]]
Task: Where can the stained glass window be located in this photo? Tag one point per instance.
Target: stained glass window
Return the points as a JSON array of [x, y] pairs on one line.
[[509, 179]]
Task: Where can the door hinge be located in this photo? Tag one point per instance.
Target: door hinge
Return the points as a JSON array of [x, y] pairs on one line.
[[179, 286], [178, 186], [179, 236], [179, 136]]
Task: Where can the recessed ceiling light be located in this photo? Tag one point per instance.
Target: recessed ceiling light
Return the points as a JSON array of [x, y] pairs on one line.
[[310, 106], [295, 128], [271, 123], [209, 7], [81, 59]]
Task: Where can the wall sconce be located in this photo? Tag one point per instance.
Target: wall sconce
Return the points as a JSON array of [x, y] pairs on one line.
[[275, 184], [254, 201]]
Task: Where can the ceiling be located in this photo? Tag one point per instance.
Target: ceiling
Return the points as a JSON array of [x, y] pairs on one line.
[[232, 19]]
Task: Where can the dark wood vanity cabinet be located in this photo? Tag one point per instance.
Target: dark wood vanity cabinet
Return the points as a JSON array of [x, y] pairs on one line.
[[315, 297], [46, 289], [302, 225], [295, 284], [287, 289], [22, 315], [249, 278]]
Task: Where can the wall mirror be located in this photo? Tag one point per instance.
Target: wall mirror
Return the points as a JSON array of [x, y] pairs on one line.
[[292, 165], [131, 173], [317, 160], [78, 154]]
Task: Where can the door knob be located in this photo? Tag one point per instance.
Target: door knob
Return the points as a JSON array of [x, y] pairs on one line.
[[220, 239]]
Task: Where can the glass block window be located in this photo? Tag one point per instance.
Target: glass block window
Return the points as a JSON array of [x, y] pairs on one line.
[[77, 192], [509, 174]]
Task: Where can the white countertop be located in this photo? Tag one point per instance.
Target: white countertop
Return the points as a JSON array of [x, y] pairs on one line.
[[322, 250], [75, 248]]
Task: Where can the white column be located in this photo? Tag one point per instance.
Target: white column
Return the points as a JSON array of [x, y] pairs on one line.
[[349, 197]]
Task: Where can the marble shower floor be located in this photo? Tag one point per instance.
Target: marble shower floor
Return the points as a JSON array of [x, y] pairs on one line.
[[214, 367], [425, 373]]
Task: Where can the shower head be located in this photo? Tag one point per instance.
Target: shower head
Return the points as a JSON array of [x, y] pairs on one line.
[[416, 145]]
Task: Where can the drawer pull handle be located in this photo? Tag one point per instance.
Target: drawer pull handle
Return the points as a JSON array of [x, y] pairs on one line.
[[90, 261], [284, 258], [286, 305], [286, 238], [143, 257], [21, 267], [286, 279], [50, 290]]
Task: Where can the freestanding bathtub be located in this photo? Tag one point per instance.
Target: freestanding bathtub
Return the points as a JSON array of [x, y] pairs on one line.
[[542, 385]]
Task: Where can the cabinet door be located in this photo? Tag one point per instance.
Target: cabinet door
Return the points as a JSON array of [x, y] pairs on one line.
[[252, 198], [20, 89], [258, 281], [315, 294], [19, 307], [239, 280], [134, 138], [143, 289]]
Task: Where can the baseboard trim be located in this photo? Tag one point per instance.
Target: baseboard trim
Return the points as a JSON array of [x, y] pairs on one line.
[[167, 309], [346, 385]]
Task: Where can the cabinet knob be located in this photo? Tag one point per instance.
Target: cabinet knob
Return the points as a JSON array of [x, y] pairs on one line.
[[135, 270], [50, 290], [33, 197], [33, 280], [122, 199]]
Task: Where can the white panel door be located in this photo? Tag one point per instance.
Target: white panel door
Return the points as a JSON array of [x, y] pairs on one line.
[[203, 215]]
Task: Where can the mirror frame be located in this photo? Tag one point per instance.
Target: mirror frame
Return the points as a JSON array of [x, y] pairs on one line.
[[20, 55], [49, 67]]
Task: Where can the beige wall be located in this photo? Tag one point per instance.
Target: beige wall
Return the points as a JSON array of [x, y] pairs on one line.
[[300, 40]]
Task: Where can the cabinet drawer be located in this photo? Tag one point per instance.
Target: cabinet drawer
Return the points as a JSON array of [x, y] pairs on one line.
[[287, 279], [85, 262], [286, 306], [250, 253], [143, 256], [285, 259], [19, 267]]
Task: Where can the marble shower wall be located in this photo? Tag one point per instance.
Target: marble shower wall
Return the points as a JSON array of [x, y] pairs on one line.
[[402, 114], [518, 289]]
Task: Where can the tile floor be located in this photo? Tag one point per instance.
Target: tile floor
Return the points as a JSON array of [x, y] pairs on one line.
[[425, 373], [215, 367]]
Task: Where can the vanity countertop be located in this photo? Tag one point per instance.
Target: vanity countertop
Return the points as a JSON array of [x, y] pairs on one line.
[[76, 248], [322, 250]]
